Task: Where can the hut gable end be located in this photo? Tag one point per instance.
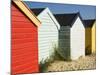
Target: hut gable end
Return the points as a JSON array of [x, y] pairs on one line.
[[48, 33], [77, 36]]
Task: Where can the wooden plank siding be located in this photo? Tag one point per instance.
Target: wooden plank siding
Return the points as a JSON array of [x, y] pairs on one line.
[[94, 38], [47, 35], [88, 41], [64, 42], [24, 43], [77, 39]]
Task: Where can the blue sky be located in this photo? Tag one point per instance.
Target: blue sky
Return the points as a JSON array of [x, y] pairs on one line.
[[86, 11]]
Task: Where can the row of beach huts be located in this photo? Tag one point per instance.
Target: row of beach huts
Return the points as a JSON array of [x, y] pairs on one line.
[[36, 32]]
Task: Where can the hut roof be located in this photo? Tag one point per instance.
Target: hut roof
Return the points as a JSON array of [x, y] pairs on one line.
[[88, 23], [37, 11], [66, 19]]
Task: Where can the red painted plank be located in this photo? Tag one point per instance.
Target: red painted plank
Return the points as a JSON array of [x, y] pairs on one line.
[[24, 54], [30, 69], [16, 13], [16, 52], [22, 69], [24, 64], [22, 31], [22, 19], [25, 36], [23, 25], [19, 46], [24, 61], [14, 8], [22, 41], [16, 48]]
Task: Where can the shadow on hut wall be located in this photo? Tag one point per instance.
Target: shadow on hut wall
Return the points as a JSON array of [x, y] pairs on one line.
[[64, 42], [88, 41]]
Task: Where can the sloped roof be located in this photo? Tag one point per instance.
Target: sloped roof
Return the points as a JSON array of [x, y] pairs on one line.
[[24, 8], [66, 19], [37, 11], [88, 23]]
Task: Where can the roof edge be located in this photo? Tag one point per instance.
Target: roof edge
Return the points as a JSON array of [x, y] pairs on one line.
[[79, 15], [24, 8], [52, 17], [94, 21]]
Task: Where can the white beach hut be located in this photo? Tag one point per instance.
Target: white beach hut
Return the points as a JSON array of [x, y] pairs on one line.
[[47, 33]]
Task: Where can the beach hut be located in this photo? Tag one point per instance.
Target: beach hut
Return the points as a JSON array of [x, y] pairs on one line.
[[89, 36], [24, 39], [71, 36], [47, 33]]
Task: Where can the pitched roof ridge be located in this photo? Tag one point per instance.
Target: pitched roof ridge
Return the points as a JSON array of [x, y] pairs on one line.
[[89, 19], [66, 19], [65, 13], [25, 9], [37, 8], [37, 11]]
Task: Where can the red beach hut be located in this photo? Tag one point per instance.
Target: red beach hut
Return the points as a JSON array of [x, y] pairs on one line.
[[24, 39]]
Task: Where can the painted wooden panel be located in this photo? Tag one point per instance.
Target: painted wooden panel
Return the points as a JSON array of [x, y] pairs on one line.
[[94, 38], [24, 44], [47, 35], [64, 42], [88, 41], [23, 7], [77, 39]]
